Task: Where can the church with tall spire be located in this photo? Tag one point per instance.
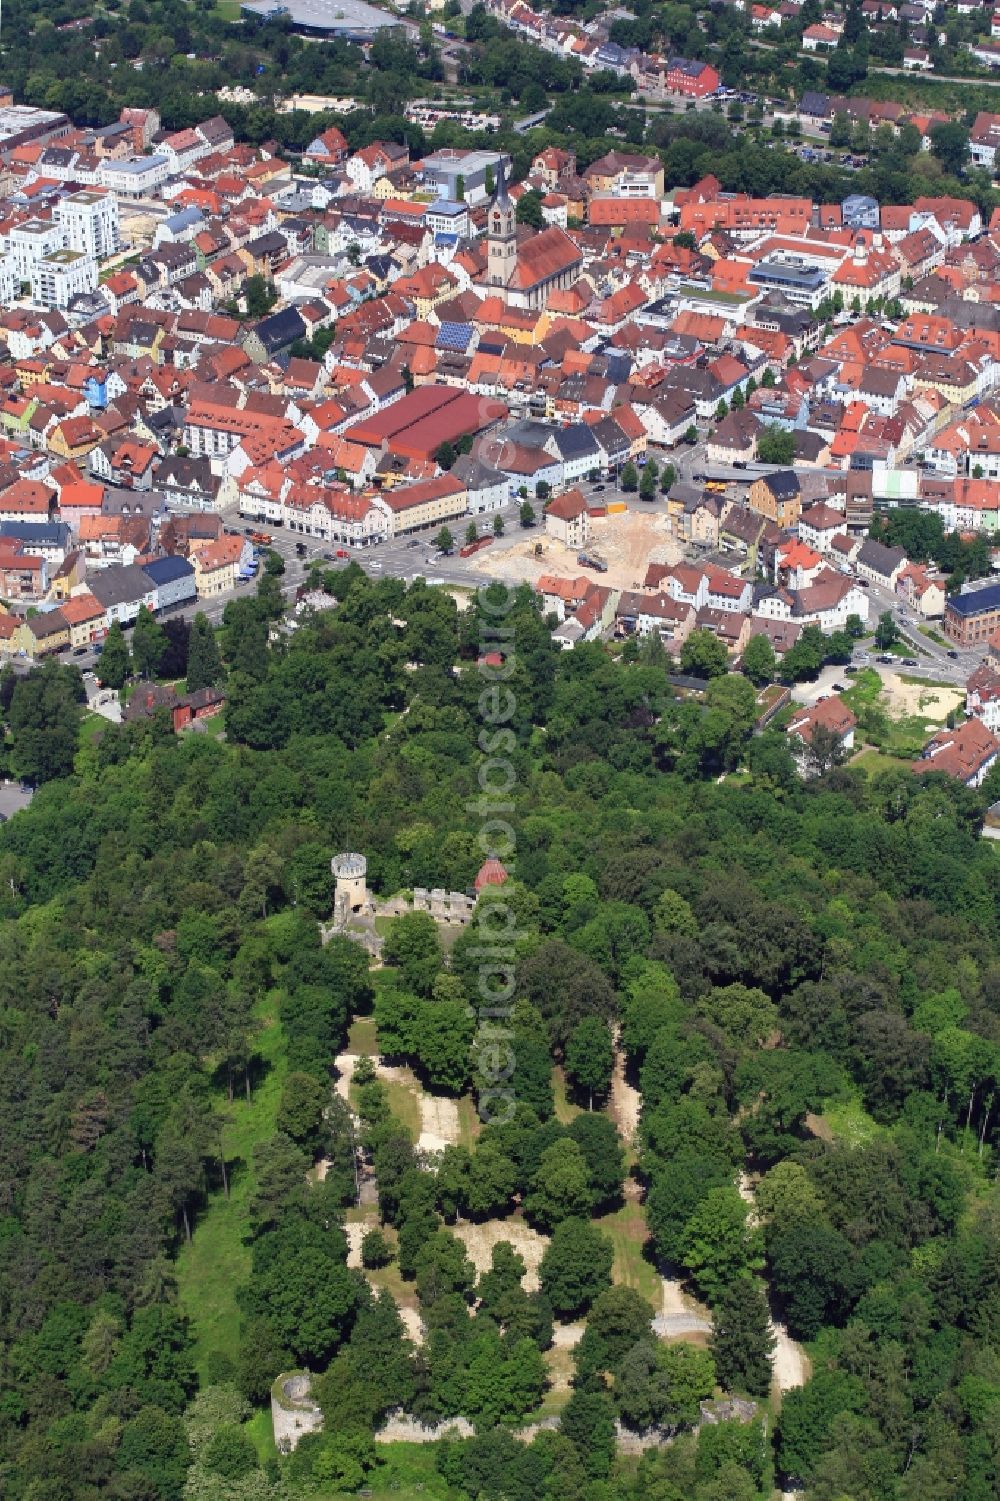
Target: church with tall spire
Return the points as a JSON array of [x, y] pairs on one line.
[[501, 233], [525, 268]]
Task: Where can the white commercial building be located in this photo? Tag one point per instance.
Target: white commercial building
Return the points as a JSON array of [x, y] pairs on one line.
[[9, 281], [90, 222], [137, 177], [28, 243], [61, 276]]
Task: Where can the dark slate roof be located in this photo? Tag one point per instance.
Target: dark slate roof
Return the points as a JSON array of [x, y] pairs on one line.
[[40, 533], [118, 586], [576, 441], [880, 558], [814, 103], [168, 570], [782, 484], [975, 601], [280, 330]]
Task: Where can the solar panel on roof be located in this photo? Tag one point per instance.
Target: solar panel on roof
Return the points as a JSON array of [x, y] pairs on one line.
[[454, 336]]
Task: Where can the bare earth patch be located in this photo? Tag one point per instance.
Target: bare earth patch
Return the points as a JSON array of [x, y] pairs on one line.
[[413, 1324], [479, 1241], [345, 1064], [439, 1121], [818, 1126], [439, 1126], [791, 1364], [919, 698], [626, 541], [356, 1233], [626, 1102]]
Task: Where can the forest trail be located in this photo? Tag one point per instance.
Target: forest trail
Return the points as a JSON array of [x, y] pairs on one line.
[[680, 1315], [790, 1364], [625, 1102]]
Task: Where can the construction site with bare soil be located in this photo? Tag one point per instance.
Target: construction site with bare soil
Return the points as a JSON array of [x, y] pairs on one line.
[[627, 541]]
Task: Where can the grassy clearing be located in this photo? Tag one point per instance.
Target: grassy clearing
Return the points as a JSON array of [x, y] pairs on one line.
[[261, 1430], [91, 726], [900, 737], [566, 1111], [469, 1123], [850, 1122], [403, 1102], [228, 10], [405, 1472], [213, 1266], [865, 690], [362, 1037], [387, 1279], [560, 1367], [907, 736], [932, 685], [627, 1232]]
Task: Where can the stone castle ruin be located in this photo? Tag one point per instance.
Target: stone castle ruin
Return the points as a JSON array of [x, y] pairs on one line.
[[294, 1412]]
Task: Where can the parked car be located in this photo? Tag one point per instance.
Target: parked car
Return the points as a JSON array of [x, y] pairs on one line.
[[953, 654], [910, 662]]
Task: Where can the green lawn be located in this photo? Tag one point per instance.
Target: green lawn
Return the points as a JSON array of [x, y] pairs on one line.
[[261, 1430], [932, 635], [406, 1471], [626, 1229], [565, 1110], [403, 1102], [469, 1123], [362, 1037], [92, 725], [872, 760], [216, 1262], [227, 10]]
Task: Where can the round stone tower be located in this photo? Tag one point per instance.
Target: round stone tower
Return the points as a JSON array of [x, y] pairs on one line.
[[351, 891]]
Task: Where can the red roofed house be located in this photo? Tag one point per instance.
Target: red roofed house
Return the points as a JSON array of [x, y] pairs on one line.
[[693, 79], [831, 716], [328, 149], [567, 519], [616, 212], [431, 502], [967, 753], [217, 564]]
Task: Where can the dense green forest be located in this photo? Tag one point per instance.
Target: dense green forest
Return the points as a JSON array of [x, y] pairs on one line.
[[805, 981]]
